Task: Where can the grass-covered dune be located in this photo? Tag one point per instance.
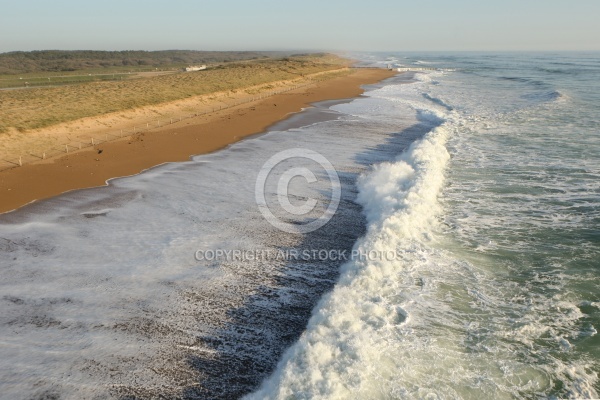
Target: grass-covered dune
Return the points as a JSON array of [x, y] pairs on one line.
[[34, 108], [23, 62]]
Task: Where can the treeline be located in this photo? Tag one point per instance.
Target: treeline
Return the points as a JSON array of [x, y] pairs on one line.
[[59, 60]]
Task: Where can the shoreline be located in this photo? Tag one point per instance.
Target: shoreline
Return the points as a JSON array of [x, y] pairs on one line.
[[93, 167], [33, 146]]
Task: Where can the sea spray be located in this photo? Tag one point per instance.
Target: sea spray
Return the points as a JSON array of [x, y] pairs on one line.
[[345, 350], [491, 294]]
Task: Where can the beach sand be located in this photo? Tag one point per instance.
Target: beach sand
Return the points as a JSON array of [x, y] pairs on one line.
[[176, 142]]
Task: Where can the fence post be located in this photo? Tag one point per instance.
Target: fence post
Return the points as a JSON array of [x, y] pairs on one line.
[[43, 155], [67, 147], [20, 161]]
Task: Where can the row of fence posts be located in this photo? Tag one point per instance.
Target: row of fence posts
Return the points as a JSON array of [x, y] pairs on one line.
[[95, 141]]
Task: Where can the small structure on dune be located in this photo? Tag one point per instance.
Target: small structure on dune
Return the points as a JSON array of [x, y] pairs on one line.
[[192, 68]]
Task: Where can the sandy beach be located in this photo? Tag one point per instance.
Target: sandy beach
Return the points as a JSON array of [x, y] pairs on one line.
[[176, 142]]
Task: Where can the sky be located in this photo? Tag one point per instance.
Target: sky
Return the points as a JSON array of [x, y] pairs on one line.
[[331, 25]]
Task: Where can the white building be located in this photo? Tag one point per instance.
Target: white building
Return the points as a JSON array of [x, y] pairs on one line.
[[195, 68]]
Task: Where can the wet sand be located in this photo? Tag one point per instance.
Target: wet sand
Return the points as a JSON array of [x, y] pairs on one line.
[[176, 142]]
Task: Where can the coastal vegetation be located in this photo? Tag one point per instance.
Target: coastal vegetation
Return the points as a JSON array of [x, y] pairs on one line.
[[40, 107], [22, 69], [60, 61]]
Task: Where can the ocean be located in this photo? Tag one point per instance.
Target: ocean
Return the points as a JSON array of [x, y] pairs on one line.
[[456, 254], [496, 216]]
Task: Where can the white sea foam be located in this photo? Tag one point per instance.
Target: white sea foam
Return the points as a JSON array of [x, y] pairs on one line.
[[101, 292], [345, 351], [440, 322], [101, 289]]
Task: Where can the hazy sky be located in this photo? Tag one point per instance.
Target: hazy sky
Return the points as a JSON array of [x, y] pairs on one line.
[[301, 24]]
